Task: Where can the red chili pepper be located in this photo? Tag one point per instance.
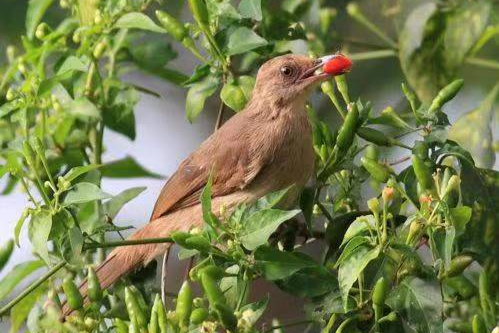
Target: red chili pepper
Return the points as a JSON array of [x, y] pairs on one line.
[[337, 65]]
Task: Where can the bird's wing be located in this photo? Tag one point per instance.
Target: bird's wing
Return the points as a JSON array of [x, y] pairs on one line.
[[232, 163]]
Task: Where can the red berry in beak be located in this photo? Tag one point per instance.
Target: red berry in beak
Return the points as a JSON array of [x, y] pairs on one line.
[[339, 64]]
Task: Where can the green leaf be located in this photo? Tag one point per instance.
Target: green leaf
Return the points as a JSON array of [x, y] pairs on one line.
[[36, 10], [127, 168], [474, 133], [434, 43], [19, 226], [443, 239], [156, 53], [17, 274], [73, 63], [119, 115], [114, 205], [351, 246], [208, 215], [7, 108], [352, 266], [136, 20], [233, 286], [276, 265], [271, 200], [197, 95], [20, 311], [257, 310], [358, 226], [83, 109], [310, 282], [242, 40], [84, 192], [251, 9], [419, 302], [258, 227], [38, 233], [76, 241], [78, 171]]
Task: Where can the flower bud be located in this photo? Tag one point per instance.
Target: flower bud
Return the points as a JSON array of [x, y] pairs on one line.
[[453, 185], [41, 30], [373, 205], [413, 233], [11, 94], [387, 194]]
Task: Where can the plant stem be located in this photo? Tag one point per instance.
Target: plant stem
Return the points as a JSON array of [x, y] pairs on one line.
[[128, 242], [359, 17], [31, 288], [296, 323], [220, 116], [369, 55], [26, 188], [487, 63]]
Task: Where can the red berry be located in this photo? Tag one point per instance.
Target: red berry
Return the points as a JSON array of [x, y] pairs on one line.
[[339, 64]]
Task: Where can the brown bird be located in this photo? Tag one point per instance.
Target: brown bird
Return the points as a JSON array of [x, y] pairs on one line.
[[264, 148]]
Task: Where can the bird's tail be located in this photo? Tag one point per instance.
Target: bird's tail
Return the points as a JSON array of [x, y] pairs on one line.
[[123, 260]]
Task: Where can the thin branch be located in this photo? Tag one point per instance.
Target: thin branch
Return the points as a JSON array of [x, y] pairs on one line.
[[401, 160], [128, 242], [486, 63], [31, 288], [164, 265], [369, 55], [220, 116]]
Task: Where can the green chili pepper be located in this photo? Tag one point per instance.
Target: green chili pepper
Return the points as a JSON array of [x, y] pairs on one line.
[[410, 96], [375, 136], [445, 94], [414, 232], [180, 237], [226, 316], [458, 264], [29, 153], [73, 296], [198, 243], [161, 314], [478, 324], [172, 25], [211, 289], [200, 13], [420, 149], [94, 288], [198, 316], [5, 252], [462, 286], [392, 316], [452, 195], [99, 49], [459, 326], [184, 304], [153, 326], [380, 291], [120, 325], [328, 136], [486, 302], [214, 271], [341, 83], [134, 311], [372, 152], [378, 171], [423, 172], [347, 131], [379, 294]]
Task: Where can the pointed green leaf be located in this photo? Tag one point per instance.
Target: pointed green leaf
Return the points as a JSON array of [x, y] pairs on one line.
[[39, 231], [127, 167], [84, 192], [136, 20], [114, 205], [18, 274], [276, 265]]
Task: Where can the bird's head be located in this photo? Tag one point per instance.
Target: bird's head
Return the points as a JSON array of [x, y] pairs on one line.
[[290, 77]]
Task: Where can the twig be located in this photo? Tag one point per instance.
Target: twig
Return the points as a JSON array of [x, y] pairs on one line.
[[220, 116], [31, 288], [373, 55], [296, 323], [128, 242], [400, 160], [487, 63]]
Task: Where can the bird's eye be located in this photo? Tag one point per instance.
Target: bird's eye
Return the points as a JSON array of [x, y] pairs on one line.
[[287, 70]]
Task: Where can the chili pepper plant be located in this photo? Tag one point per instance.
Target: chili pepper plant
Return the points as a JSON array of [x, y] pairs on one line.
[[407, 243]]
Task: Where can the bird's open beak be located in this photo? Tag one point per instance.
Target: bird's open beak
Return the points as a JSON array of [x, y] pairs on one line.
[[315, 73]]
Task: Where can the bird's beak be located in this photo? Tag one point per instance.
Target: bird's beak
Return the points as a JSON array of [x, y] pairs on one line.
[[315, 73]]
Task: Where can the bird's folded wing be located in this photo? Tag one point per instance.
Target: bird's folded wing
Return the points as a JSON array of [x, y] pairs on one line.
[[233, 166]]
